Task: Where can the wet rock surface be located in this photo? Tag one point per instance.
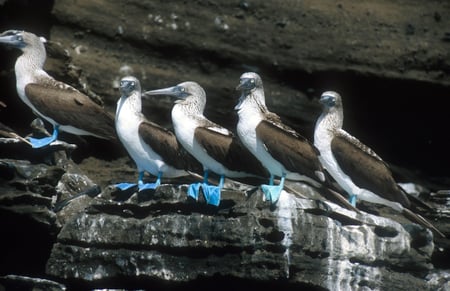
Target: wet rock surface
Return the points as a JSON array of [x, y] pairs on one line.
[[385, 58], [64, 227], [79, 236], [170, 239]]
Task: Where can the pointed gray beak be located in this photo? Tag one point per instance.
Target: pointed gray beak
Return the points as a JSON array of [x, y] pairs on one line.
[[12, 38], [175, 91]]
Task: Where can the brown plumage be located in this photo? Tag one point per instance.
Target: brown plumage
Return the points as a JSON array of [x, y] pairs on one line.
[[356, 167], [214, 146], [282, 150], [56, 102], [68, 106], [376, 177], [165, 144], [295, 152], [227, 149]]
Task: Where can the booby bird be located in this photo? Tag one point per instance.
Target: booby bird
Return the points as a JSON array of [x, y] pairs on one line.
[[283, 151], [153, 148], [354, 166], [63, 106], [215, 147]]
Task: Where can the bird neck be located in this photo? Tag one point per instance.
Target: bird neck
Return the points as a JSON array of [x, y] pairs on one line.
[[253, 103], [331, 119], [259, 98], [31, 60], [132, 104], [135, 102], [191, 106]]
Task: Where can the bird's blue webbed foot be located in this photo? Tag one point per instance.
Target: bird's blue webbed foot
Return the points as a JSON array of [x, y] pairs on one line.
[[212, 193], [141, 185], [193, 190], [148, 186], [45, 141], [124, 186], [352, 200], [272, 192]]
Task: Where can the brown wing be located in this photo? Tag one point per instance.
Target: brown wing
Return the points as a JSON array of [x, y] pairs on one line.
[[165, 144], [229, 151], [68, 106], [291, 149], [366, 169]]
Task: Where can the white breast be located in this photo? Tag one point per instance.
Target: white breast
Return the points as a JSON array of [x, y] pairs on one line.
[[249, 118], [24, 77], [322, 141], [246, 127], [127, 127], [184, 127]]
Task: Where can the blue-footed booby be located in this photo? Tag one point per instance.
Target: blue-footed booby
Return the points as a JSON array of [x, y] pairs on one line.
[[63, 106], [283, 151], [215, 147], [354, 166], [153, 148]]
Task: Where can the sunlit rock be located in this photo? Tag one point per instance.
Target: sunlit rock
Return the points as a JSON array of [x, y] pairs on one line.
[[167, 237]]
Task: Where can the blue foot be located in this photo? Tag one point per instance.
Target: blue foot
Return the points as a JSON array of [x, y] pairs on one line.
[[124, 186], [193, 190], [45, 141], [272, 192], [352, 200], [147, 186], [212, 194], [41, 142]]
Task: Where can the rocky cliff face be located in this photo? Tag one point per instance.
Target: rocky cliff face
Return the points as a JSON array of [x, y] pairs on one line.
[[390, 61]]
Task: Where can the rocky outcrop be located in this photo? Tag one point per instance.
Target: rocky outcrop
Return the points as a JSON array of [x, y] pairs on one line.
[[84, 238], [169, 239]]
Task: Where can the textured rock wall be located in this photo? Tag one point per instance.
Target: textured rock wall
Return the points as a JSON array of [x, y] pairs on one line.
[[389, 59]]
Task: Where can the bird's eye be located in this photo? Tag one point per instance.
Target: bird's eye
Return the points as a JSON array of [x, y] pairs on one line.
[[19, 38], [331, 100], [252, 81], [132, 83]]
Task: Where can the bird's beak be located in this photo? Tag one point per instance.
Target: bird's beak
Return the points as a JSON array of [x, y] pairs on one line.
[[11, 38], [245, 85], [8, 40], [175, 91]]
